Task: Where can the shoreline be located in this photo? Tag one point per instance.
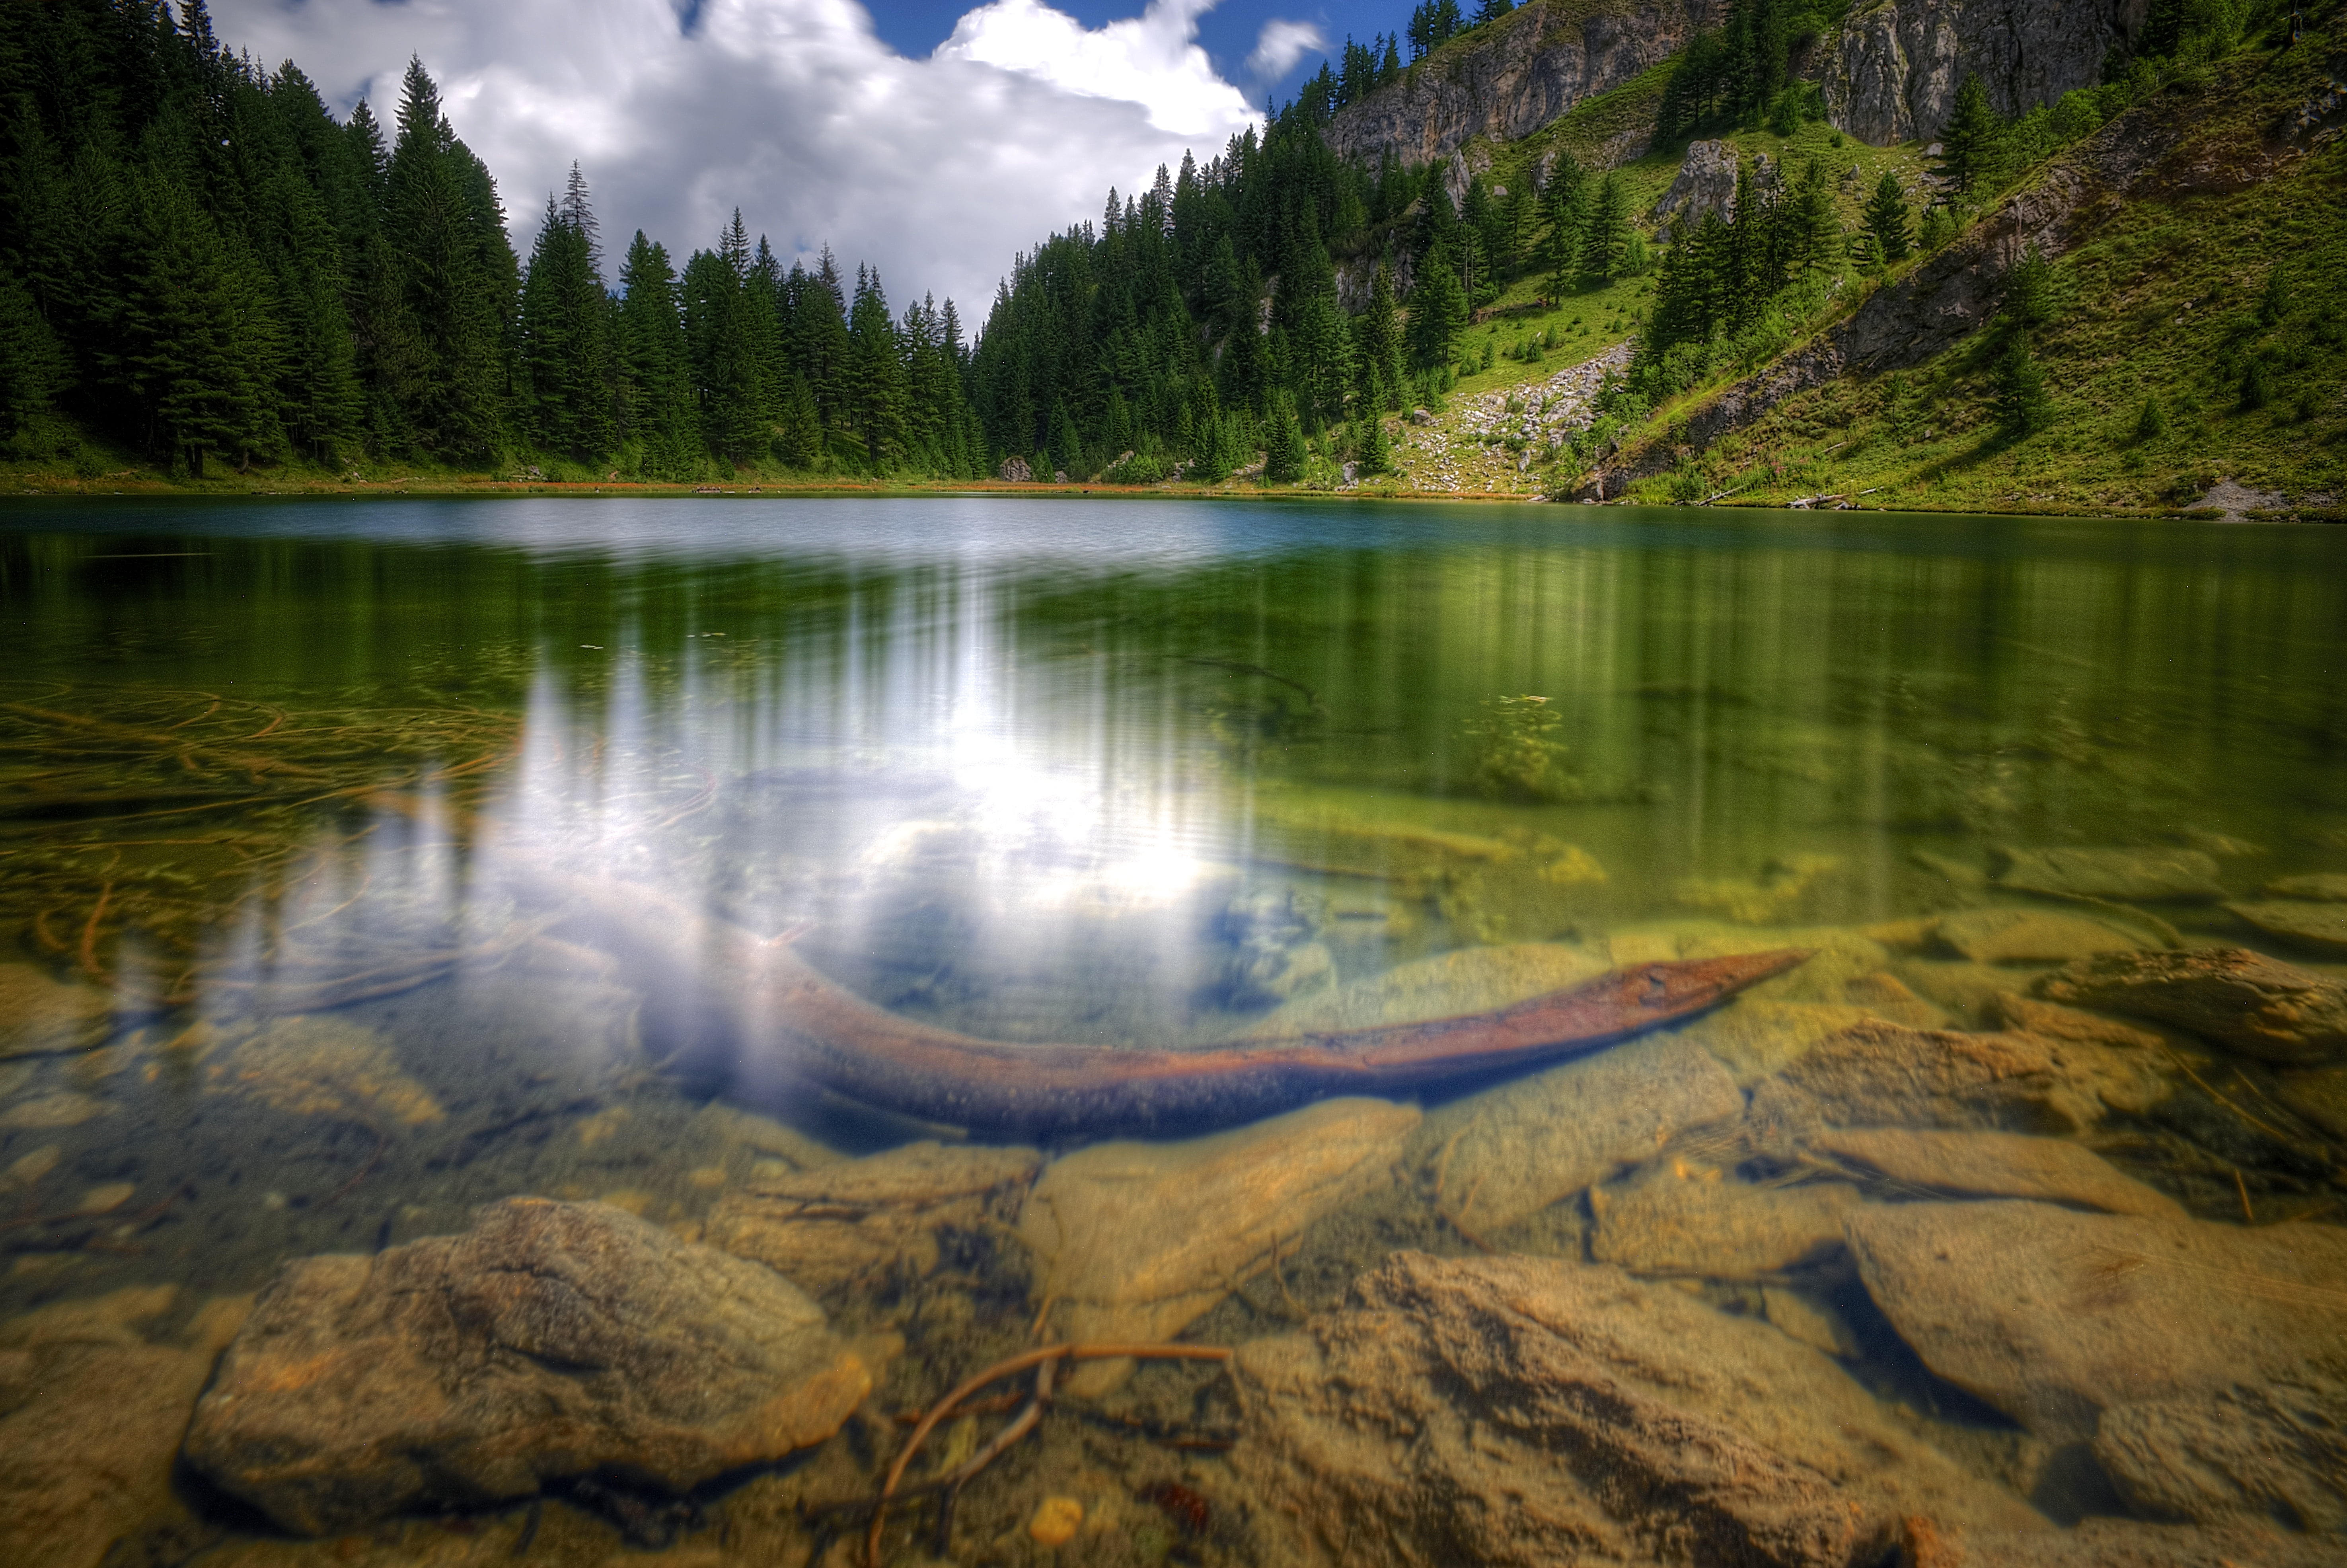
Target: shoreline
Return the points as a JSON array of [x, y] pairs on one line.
[[459, 488]]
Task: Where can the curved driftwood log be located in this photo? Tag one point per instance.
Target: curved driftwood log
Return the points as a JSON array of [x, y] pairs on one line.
[[783, 1020]]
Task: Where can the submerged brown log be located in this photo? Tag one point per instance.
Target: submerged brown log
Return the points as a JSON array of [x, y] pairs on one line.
[[783, 1020]]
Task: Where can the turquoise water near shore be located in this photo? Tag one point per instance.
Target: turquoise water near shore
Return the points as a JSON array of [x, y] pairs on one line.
[[278, 983]]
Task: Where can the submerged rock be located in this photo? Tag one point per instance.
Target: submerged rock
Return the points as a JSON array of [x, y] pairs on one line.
[[837, 1224], [1456, 984], [2320, 1096], [1881, 1075], [1137, 1240], [2323, 927], [550, 1339], [313, 1065], [2053, 1315], [93, 1417], [2253, 1452], [1703, 1223], [2323, 887], [2179, 875], [1521, 1411], [1997, 1164], [1510, 1151], [2259, 1005], [2028, 937], [2113, 1543], [1756, 1037], [2050, 1020], [39, 1015]]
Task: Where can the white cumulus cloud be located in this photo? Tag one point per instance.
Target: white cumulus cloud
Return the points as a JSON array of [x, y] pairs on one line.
[[936, 170], [1279, 46]]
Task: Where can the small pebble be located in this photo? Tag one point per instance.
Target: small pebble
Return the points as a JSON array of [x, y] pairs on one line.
[[1055, 1521], [105, 1199]]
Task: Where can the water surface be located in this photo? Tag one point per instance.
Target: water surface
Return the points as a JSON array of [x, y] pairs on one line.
[[1057, 770]]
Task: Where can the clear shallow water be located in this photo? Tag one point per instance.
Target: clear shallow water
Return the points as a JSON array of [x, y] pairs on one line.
[[277, 779]]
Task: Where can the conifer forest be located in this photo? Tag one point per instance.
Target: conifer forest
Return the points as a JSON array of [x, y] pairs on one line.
[[201, 263]]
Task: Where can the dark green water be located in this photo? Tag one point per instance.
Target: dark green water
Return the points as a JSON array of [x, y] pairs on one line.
[[1126, 773]]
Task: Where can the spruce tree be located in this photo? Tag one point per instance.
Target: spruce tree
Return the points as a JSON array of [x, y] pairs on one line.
[[1607, 232], [876, 376], [1438, 310], [1378, 333], [1886, 219], [2019, 388], [655, 391], [1371, 455], [1568, 198], [1284, 452], [1968, 142]]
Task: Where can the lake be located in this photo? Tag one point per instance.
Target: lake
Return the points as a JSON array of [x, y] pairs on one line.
[[658, 992]]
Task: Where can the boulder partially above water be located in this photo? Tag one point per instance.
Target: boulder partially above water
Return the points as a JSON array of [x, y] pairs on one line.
[[550, 1339]]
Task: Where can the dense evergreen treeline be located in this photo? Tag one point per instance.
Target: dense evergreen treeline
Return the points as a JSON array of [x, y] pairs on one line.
[[199, 261]]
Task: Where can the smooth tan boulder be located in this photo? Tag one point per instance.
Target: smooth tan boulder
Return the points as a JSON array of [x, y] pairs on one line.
[[1526, 1411], [2172, 875], [1755, 1039], [2322, 927], [317, 1065], [550, 1339], [1881, 1075], [2053, 1316], [2248, 1454], [1456, 984], [1997, 1164], [2028, 937], [39, 1016], [1513, 1150], [91, 1415], [838, 1223], [2259, 1005], [2323, 887], [1707, 1224], [2050, 1020], [1136, 1241]]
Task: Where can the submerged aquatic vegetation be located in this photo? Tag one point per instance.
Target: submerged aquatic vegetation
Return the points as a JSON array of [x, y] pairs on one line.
[[1516, 754]]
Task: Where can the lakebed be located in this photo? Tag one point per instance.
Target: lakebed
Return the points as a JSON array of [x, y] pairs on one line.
[[363, 1206]]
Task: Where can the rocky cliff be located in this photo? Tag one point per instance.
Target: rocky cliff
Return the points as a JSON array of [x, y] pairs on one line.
[[1891, 73], [1509, 77]]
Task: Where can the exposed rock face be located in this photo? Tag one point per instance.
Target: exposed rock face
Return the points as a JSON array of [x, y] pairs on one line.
[[1136, 1241], [1521, 1411], [2253, 1452], [2054, 1316], [1891, 74], [1706, 183], [1518, 74], [550, 1339], [2259, 1005], [837, 1224]]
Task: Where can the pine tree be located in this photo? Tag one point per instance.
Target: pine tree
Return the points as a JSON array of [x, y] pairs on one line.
[[2019, 386], [2030, 289], [566, 382], [1607, 232], [1284, 451], [1370, 452], [1968, 141], [875, 376], [1812, 231], [1886, 219], [655, 391], [1567, 197], [1438, 310], [1378, 334]]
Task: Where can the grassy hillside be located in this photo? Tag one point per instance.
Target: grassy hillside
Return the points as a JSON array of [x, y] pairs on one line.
[[2198, 318]]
